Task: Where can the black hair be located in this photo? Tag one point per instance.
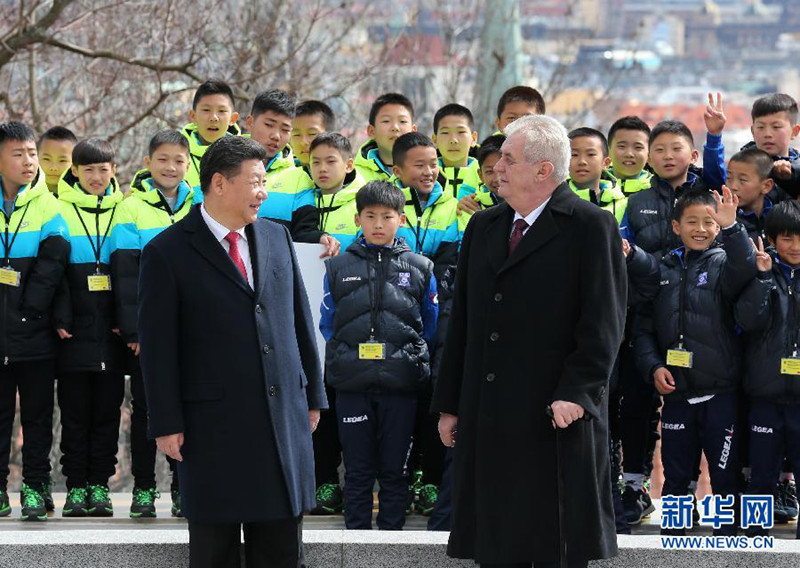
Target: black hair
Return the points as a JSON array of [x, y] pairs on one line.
[[523, 94], [586, 132], [452, 109], [489, 146], [672, 127], [308, 108], [784, 219], [15, 131], [776, 102], [212, 87], [93, 151], [225, 156], [692, 197], [406, 142], [758, 158], [628, 123], [167, 137], [381, 193], [389, 99], [335, 141], [58, 133], [275, 100]]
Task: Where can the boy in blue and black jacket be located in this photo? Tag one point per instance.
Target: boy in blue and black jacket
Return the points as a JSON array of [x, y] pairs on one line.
[[378, 316], [769, 313], [690, 348]]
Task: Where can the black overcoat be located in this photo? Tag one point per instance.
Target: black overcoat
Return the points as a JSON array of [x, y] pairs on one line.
[[541, 325], [235, 369]]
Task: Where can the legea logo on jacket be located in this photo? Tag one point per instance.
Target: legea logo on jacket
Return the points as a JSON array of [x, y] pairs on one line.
[[648, 212], [351, 279]]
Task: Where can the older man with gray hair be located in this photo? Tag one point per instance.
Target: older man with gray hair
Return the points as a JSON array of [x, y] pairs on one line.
[[537, 319]]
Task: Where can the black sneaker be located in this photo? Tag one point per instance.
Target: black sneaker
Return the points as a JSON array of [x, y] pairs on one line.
[[330, 499], [76, 504], [143, 505], [100, 502], [633, 505], [47, 495], [32, 502], [176, 503], [789, 490], [781, 511], [5, 505], [428, 495]]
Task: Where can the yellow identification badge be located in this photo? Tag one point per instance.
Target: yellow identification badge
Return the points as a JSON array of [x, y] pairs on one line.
[[10, 277], [679, 358], [99, 283], [790, 366], [372, 351]]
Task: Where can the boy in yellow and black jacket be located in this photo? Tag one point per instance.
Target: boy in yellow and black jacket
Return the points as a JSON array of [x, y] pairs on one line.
[[390, 116], [588, 176], [35, 248]]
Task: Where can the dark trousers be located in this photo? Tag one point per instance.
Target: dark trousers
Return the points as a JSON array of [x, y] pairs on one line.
[[35, 382], [443, 510], [143, 450], [376, 431], [90, 409], [638, 415], [710, 426], [327, 448], [428, 452], [269, 544], [774, 433]]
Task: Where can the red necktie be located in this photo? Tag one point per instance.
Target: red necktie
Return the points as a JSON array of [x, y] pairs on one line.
[[233, 252], [516, 235]]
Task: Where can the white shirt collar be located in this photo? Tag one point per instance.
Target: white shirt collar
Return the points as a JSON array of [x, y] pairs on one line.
[[217, 229], [531, 217]]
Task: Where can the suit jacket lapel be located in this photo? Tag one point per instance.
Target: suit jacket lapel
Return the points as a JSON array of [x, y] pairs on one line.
[[497, 235], [203, 240], [259, 254]]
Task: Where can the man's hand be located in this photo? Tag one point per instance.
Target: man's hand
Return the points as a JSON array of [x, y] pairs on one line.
[[448, 424], [763, 259], [63, 333], [313, 419], [714, 115], [134, 347], [664, 382], [468, 204], [331, 245], [782, 169], [171, 445], [727, 205], [565, 413]]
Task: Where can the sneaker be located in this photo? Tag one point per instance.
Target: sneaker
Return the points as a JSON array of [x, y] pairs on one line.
[[47, 495], [76, 504], [790, 497], [32, 502], [143, 505], [428, 495], [635, 506], [413, 491], [781, 511], [176, 503], [5, 506], [330, 499], [99, 501]]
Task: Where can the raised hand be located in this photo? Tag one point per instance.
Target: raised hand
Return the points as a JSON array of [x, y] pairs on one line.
[[763, 259], [714, 115], [727, 205]]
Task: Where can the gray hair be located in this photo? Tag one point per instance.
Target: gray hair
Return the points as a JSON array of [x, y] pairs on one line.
[[546, 140]]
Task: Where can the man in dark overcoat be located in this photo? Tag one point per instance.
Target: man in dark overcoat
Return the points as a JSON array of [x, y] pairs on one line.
[[230, 366], [536, 322]]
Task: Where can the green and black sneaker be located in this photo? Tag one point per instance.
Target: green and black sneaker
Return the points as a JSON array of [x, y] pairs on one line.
[[428, 495], [76, 504], [99, 501], [413, 491], [143, 505], [330, 499], [176, 503], [47, 495], [5, 505], [32, 502]]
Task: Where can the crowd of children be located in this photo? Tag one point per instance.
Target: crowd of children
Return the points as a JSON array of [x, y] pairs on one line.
[[711, 345]]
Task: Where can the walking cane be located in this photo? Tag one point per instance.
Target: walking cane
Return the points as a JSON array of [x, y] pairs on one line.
[[562, 540]]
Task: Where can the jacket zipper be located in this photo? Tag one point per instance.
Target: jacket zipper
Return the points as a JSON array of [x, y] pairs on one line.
[[792, 319], [97, 299]]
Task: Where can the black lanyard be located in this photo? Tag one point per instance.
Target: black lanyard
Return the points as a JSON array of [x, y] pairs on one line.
[[419, 211], [6, 243], [100, 243], [324, 212]]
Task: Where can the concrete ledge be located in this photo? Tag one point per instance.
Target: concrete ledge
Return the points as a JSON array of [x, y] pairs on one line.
[[337, 549]]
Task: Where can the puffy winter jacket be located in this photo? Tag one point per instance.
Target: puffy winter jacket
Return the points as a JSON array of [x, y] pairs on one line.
[[197, 150]]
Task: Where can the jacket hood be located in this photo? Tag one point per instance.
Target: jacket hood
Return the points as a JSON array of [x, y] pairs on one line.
[[361, 248], [32, 190], [195, 146], [142, 188], [70, 191]]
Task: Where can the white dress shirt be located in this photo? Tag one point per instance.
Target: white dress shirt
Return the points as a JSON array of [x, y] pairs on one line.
[[531, 217], [220, 232]]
